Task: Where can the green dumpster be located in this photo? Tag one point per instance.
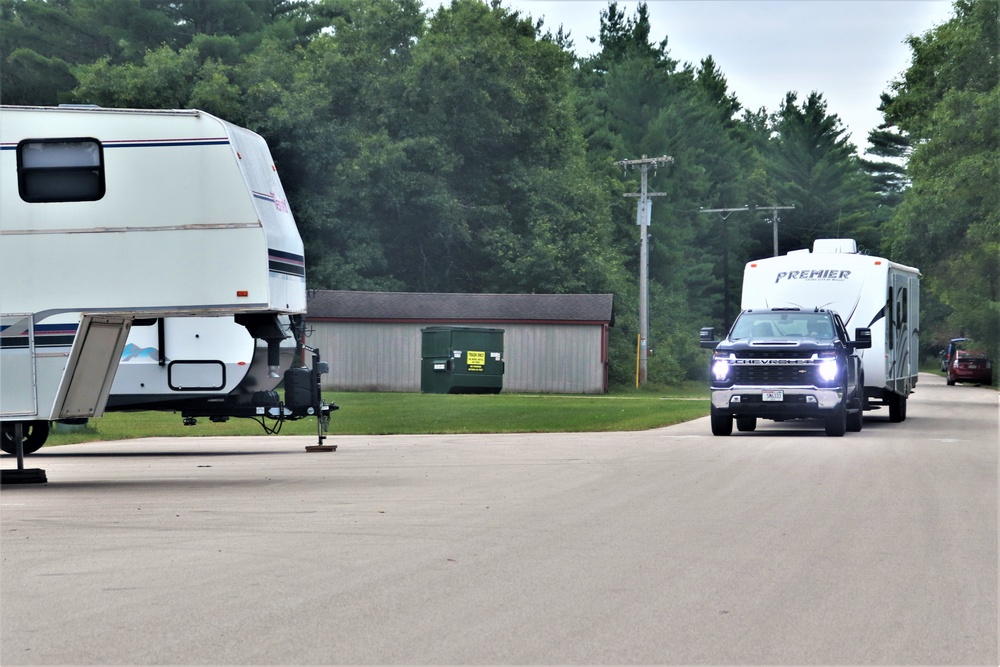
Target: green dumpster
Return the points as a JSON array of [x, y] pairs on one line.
[[461, 360]]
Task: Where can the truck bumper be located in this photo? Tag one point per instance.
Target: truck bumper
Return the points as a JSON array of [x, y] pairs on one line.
[[796, 402]]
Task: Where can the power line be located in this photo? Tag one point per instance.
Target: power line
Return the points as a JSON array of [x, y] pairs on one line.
[[724, 214]]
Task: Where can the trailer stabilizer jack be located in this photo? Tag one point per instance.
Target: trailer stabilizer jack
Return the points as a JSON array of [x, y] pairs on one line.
[[21, 475]]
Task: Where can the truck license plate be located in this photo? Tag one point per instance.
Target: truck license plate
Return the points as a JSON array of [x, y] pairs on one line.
[[774, 395]]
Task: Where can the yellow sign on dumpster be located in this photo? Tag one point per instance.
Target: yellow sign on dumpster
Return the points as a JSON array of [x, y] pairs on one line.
[[475, 360]]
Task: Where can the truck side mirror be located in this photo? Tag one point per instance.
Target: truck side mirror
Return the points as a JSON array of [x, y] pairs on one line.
[[862, 338], [706, 338]]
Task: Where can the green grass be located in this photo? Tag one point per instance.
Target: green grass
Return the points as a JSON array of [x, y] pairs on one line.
[[389, 413]]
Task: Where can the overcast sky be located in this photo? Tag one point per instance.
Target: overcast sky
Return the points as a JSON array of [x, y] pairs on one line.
[[848, 50]]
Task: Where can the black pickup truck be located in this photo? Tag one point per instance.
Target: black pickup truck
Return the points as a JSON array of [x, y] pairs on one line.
[[787, 363]]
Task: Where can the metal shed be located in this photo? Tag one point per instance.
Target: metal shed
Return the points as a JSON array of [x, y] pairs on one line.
[[554, 343]]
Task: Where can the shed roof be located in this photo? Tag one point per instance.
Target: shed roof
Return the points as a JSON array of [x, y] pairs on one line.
[[447, 307]]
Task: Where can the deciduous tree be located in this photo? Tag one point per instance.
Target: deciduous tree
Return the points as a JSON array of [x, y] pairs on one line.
[[947, 104]]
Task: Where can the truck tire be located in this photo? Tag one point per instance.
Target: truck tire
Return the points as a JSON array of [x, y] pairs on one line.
[[855, 418], [721, 424], [855, 422], [746, 424], [836, 424], [33, 434]]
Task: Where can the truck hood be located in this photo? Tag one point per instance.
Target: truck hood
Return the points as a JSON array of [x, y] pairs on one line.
[[774, 344]]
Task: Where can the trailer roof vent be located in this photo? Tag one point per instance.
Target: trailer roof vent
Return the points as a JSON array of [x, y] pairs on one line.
[[836, 246]]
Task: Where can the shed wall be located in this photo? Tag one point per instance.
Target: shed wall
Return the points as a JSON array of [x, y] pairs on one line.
[[385, 356]]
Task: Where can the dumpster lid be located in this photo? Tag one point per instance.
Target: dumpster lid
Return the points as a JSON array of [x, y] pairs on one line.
[[461, 328]]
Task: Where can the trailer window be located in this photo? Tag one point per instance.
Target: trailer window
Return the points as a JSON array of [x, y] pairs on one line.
[[60, 170]]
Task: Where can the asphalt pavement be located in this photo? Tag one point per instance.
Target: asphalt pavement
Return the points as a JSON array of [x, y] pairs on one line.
[[669, 546]]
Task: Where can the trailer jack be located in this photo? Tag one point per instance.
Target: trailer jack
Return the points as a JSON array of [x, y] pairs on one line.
[[302, 399], [21, 475]]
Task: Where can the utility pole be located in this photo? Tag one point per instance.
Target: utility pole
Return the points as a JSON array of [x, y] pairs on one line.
[[725, 213], [644, 164], [774, 220]]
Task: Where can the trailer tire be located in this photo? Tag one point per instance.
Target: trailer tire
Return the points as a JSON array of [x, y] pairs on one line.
[[897, 408], [721, 424], [746, 424], [33, 433]]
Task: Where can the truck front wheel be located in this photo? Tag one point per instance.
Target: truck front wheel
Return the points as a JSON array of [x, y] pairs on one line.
[[855, 418], [855, 421], [836, 424], [746, 424], [721, 424]]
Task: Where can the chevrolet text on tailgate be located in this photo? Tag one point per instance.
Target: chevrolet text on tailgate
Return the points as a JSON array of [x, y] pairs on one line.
[[787, 363]]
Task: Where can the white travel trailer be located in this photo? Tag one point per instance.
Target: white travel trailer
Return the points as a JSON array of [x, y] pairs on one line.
[[866, 291], [113, 215]]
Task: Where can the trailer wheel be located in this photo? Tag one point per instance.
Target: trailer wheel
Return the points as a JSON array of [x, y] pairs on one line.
[[33, 434], [746, 424], [897, 408], [836, 424], [721, 424]]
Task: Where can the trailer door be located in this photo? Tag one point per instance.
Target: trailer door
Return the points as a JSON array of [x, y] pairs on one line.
[[901, 362]]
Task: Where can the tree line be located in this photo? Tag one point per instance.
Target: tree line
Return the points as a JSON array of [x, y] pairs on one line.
[[470, 149]]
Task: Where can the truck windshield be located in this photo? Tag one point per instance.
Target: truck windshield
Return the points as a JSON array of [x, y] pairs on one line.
[[816, 326]]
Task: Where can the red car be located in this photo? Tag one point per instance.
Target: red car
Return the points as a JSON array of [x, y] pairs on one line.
[[967, 364]]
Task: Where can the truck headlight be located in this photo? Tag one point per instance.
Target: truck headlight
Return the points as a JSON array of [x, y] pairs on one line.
[[720, 367], [828, 370]]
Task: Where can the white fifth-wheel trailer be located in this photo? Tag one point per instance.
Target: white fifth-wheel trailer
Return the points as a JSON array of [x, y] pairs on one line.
[[109, 216], [869, 292], [214, 367]]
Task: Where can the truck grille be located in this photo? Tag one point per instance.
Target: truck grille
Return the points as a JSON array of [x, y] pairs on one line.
[[778, 374], [774, 375]]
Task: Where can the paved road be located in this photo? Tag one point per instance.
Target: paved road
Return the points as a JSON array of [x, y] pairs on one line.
[[783, 546]]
